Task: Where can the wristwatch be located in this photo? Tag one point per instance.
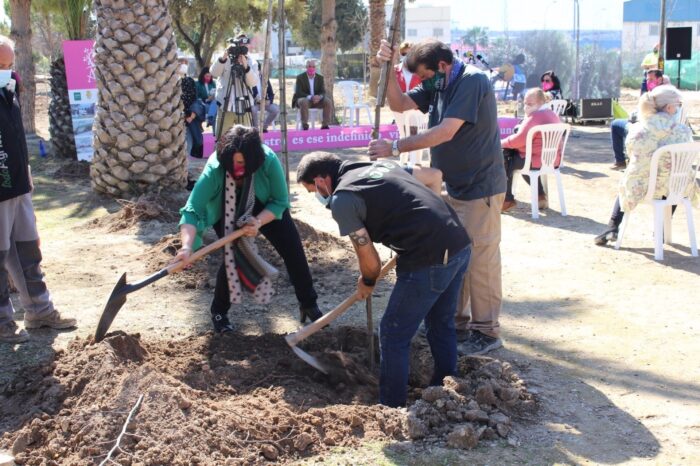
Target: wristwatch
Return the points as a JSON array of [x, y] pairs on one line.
[[395, 148], [369, 281]]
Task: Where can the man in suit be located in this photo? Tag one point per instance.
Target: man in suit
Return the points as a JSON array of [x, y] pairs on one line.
[[309, 92]]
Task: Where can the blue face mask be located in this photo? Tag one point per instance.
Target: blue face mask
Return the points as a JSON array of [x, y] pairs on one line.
[[325, 200]]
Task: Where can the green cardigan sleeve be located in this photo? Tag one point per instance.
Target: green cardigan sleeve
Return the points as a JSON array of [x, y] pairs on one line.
[[203, 208], [277, 199], [202, 91]]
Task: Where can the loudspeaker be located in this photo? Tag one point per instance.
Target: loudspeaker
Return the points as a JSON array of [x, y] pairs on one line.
[[595, 109], [679, 43]]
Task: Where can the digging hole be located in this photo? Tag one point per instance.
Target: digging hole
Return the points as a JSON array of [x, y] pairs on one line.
[[210, 398]]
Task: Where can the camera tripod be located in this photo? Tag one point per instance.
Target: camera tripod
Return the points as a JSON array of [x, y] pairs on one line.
[[237, 88]]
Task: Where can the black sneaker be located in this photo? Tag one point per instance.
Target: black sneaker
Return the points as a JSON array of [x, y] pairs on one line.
[[608, 235], [221, 323], [313, 313], [478, 343]]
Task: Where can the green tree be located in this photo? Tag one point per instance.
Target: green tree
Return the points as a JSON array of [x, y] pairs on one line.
[[476, 37], [351, 14], [204, 25]]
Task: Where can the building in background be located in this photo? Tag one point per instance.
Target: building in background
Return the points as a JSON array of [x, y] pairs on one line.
[[640, 32], [423, 22]]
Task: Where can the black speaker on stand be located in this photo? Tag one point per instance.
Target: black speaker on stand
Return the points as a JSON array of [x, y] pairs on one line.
[[679, 46]]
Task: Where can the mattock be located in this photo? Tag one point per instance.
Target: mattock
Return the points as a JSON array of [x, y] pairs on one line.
[[294, 338]]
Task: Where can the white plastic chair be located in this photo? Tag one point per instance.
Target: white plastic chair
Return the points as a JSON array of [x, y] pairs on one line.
[[351, 93], [685, 162], [558, 106], [418, 120], [315, 115], [399, 119], [554, 137]]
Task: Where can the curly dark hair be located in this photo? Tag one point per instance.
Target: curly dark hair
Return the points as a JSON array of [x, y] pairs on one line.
[[318, 163], [245, 140], [429, 53], [204, 71]]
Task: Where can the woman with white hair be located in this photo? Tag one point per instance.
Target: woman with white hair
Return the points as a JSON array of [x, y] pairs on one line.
[[659, 125]]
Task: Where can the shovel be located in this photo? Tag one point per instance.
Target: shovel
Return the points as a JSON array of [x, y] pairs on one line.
[[121, 289], [294, 338]]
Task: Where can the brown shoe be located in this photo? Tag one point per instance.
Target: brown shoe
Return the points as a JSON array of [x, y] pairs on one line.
[[542, 202], [619, 166], [10, 333], [53, 320], [508, 205]]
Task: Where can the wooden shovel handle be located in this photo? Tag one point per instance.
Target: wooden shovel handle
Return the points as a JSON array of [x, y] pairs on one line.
[[313, 327], [199, 253]]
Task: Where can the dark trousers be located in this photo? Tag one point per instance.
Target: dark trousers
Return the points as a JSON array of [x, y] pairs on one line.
[[514, 162], [284, 237], [617, 213]]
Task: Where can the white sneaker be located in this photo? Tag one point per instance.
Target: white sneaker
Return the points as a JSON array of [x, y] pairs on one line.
[[10, 333]]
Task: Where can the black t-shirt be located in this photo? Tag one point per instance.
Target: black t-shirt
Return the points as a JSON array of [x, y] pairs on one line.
[[472, 161], [397, 211], [14, 160]]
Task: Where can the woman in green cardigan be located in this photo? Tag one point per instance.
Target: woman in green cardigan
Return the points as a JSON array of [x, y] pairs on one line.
[[242, 164]]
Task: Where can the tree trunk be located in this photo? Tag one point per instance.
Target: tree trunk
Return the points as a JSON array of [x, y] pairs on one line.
[[377, 32], [139, 129], [328, 48], [21, 33], [60, 121]]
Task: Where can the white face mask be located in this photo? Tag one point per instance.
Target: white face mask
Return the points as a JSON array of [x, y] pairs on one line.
[[5, 77], [183, 69]]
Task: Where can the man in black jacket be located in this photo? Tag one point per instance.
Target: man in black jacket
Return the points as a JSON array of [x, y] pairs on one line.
[[380, 202], [19, 240], [310, 92]]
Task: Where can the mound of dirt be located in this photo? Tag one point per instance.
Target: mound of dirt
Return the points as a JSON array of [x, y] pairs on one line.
[[72, 170], [233, 399], [159, 207]]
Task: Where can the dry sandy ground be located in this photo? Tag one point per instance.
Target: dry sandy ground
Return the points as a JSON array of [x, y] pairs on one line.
[[608, 339]]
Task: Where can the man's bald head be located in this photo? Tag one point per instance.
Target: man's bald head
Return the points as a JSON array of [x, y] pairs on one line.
[[7, 53]]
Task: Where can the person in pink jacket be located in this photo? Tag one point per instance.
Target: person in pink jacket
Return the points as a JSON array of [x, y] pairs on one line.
[[537, 112], [407, 80]]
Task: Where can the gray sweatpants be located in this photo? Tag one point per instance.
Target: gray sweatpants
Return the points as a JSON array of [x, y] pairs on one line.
[[21, 257]]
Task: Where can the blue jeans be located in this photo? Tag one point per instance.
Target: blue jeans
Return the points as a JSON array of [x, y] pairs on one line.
[[618, 133], [211, 115], [429, 294]]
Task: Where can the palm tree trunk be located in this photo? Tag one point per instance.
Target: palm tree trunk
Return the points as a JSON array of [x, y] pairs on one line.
[[328, 47], [21, 33], [139, 129], [377, 32]]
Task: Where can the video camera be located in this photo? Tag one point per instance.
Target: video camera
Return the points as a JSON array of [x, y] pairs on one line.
[[236, 48]]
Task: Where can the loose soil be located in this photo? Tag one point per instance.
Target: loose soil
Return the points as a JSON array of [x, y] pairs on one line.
[[238, 399]]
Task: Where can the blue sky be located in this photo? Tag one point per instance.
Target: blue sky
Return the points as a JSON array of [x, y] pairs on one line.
[[531, 14]]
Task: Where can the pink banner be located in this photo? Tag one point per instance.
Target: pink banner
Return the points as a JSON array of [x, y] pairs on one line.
[[80, 67], [507, 124], [338, 137]]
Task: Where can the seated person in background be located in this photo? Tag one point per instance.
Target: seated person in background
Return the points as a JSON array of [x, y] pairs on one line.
[[537, 112], [658, 126], [407, 80], [550, 84], [271, 108], [620, 126], [309, 92]]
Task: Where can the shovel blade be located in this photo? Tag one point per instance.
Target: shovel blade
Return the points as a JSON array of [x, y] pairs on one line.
[[310, 360], [114, 304]]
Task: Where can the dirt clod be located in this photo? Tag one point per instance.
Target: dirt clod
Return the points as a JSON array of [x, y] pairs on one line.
[[463, 436]]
